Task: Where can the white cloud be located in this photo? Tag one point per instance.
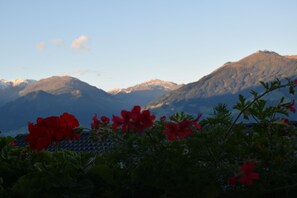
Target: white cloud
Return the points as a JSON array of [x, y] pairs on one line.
[[40, 46], [80, 43], [58, 42], [83, 72]]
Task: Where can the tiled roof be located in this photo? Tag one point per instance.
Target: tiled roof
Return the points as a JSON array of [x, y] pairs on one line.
[[84, 144]]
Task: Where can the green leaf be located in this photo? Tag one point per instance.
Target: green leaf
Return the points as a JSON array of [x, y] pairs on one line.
[[265, 85], [292, 90], [254, 93]]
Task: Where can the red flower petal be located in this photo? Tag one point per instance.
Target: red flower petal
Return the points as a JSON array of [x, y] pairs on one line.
[[105, 119], [232, 181]]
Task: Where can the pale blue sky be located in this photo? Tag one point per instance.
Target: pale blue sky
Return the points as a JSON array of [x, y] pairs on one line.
[[124, 42]]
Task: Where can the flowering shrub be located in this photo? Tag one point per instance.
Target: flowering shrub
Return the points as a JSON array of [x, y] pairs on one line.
[[99, 123], [51, 129], [182, 156], [134, 120], [179, 129], [291, 107], [248, 175], [213, 152]]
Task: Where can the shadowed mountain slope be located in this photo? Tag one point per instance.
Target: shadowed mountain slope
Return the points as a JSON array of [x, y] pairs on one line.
[[55, 95], [144, 93], [9, 90], [227, 82]]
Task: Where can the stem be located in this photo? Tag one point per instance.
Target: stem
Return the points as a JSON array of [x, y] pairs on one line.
[[255, 119], [212, 156], [228, 133]]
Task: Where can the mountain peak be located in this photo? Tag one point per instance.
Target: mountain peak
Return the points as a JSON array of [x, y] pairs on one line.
[[267, 52], [262, 54], [60, 85], [154, 84], [155, 81], [60, 78], [21, 83]]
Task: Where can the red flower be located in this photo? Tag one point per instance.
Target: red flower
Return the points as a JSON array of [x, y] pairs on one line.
[[147, 119], [69, 120], [180, 130], [39, 137], [97, 123], [12, 143], [295, 82], [197, 125], [171, 131], [133, 120], [104, 119], [117, 121], [177, 130], [232, 181], [285, 120], [163, 118], [53, 128], [291, 106], [135, 112], [248, 174], [52, 124], [67, 123]]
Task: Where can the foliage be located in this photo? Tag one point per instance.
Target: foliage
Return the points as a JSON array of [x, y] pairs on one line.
[[27, 173], [219, 156]]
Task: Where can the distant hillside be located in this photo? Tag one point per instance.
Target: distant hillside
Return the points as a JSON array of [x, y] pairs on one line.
[[291, 56], [58, 94], [6, 84], [155, 84], [9, 89], [62, 84], [224, 84], [55, 95], [144, 93]]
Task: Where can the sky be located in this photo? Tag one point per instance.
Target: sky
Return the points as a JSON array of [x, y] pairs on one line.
[[120, 43]]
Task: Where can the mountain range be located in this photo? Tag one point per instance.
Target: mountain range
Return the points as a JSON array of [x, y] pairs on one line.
[[25, 100], [225, 84], [9, 90], [144, 93], [55, 95]]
